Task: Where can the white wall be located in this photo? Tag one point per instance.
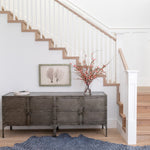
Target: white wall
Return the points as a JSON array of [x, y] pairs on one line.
[[20, 56], [136, 48], [118, 13], [130, 20]]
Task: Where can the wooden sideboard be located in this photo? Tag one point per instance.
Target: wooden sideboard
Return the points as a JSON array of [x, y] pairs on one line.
[[54, 109]]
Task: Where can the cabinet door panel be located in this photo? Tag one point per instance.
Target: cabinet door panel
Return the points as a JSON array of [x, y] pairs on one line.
[[94, 117], [17, 118], [95, 103], [41, 103], [68, 108], [68, 103], [41, 118], [41, 110], [14, 110], [13, 103], [70, 118]]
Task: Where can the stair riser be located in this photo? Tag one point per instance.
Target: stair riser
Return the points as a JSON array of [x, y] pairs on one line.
[[143, 122], [144, 133], [143, 98], [143, 109]]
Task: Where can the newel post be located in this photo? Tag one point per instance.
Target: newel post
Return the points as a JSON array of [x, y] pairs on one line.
[[132, 107]]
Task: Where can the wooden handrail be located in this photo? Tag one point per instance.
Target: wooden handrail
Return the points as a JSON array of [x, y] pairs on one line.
[[123, 59], [83, 18]]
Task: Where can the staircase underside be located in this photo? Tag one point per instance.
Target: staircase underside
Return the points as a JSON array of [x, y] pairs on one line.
[[40, 38]]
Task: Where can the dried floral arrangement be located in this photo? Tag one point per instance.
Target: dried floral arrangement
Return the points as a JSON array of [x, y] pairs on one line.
[[89, 72]]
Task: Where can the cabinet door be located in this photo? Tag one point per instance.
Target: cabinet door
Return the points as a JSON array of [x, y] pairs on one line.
[[14, 111], [68, 108], [41, 110], [95, 110]]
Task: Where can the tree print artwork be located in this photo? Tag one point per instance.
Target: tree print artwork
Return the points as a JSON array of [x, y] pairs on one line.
[[55, 75]]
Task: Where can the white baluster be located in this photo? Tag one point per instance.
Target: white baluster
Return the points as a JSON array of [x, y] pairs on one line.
[[105, 55], [45, 17], [79, 37], [10, 6], [88, 44], [37, 15], [41, 23], [71, 51], [110, 58], [23, 10], [17, 8], [14, 9], [30, 7], [27, 11], [56, 24], [83, 41], [60, 25], [48, 20], [6, 6], [112, 64], [0, 5], [51, 20], [102, 49], [97, 51], [33, 16], [64, 27], [115, 61], [54, 21]]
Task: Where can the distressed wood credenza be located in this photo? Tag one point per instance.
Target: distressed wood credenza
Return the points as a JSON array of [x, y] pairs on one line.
[[54, 109]]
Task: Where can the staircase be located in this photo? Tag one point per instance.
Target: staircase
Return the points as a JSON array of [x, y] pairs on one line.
[[143, 111], [67, 29]]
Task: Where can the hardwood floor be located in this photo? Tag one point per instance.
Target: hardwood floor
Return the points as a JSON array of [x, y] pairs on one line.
[[18, 136]]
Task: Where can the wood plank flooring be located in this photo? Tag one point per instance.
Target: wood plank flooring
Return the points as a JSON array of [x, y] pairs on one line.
[[18, 136]]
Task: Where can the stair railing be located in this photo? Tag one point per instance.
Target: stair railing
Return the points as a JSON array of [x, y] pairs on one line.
[[128, 97], [68, 28]]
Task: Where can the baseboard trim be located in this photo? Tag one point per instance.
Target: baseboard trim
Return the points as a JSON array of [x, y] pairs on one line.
[[121, 131]]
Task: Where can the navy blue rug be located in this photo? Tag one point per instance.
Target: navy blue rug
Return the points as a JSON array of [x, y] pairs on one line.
[[66, 142]]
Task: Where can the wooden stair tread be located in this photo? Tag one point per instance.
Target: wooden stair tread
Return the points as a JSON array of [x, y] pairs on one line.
[[16, 21], [57, 48], [32, 30], [143, 116], [143, 103], [43, 39], [143, 90], [143, 93], [143, 130]]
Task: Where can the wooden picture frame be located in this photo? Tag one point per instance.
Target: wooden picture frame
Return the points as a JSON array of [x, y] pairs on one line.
[[54, 74]]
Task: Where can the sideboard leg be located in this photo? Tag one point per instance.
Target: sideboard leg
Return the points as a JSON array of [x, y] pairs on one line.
[[57, 128], [11, 128], [106, 130], [54, 131], [2, 131]]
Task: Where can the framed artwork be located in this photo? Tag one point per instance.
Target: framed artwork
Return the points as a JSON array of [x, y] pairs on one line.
[[55, 75]]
